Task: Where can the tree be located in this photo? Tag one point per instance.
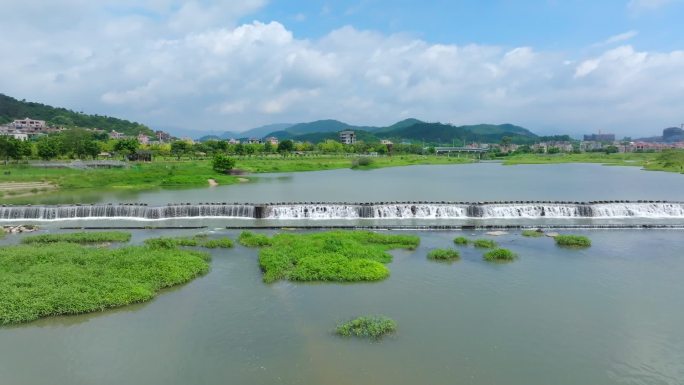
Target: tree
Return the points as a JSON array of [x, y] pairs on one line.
[[221, 163], [286, 146], [611, 150], [48, 147], [10, 148], [268, 147], [126, 146], [179, 148]]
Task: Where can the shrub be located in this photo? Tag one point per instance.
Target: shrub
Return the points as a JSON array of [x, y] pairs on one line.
[[341, 256], [533, 233], [40, 280], [374, 327], [484, 243], [362, 162], [500, 255], [250, 239], [221, 163], [461, 241], [444, 254], [577, 241], [82, 237]]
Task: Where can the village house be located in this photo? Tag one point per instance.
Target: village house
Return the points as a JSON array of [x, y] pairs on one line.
[[272, 140], [143, 139], [348, 137]]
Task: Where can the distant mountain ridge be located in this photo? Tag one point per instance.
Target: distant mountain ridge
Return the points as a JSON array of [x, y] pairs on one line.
[[11, 109]]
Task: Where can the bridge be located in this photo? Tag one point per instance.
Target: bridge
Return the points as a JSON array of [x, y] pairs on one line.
[[460, 150]]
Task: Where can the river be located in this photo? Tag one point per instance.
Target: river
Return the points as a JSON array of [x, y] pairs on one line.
[[603, 315]]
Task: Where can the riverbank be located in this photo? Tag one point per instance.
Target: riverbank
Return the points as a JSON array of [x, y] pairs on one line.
[[647, 161], [175, 174]]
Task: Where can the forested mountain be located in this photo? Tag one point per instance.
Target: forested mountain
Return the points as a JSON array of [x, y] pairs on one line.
[[11, 109]]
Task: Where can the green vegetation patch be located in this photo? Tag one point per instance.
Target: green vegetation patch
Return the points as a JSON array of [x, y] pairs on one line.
[[81, 237], [374, 327], [199, 240], [41, 280], [484, 243], [340, 256], [444, 254], [578, 241], [500, 255], [533, 233], [462, 241], [250, 239]]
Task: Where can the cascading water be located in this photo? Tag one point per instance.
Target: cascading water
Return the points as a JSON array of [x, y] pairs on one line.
[[405, 210]]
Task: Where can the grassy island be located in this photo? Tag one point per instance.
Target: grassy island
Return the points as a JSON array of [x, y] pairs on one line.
[[41, 280], [573, 241], [533, 233], [374, 327], [461, 241], [444, 255], [500, 255], [81, 238], [339, 256], [484, 243]]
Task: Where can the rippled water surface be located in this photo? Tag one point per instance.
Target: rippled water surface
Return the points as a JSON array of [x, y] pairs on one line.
[[610, 314]]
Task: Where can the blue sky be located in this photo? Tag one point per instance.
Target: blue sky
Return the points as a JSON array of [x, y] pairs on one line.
[[207, 65], [544, 24]]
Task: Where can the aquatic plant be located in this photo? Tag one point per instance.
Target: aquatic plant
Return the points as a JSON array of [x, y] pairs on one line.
[[41, 280], [224, 243], [575, 241], [462, 241], [201, 240], [500, 255], [484, 243], [80, 237], [341, 256], [250, 239], [533, 233], [444, 254], [374, 327]]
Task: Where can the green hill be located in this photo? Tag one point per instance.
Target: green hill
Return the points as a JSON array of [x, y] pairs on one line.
[[11, 109], [439, 133]]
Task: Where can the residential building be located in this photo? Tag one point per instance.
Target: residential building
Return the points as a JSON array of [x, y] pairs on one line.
[[599, 137], [116, 135], [162, 136], [143, 139], [386, 142], [348, 137], [30, 125], [273, 140], [233, 141], [254, 141]]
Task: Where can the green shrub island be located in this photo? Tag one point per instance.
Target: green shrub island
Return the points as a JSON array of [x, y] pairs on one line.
[[200, 240], [81, 237], [374, 327], [484, 243], [444, 255], [500, 255], [40, 280], [250, 239], [533, 233], [340, 256], [574, 241], [462, 241]]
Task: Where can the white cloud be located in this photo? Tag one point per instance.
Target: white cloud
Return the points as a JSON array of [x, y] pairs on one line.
[[619, 38], [638, 5], [142, 65]]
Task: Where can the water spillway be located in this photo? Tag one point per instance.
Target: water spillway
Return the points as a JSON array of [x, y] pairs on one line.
[[335, 211]]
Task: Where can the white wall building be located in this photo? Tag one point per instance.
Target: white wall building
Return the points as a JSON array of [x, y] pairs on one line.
[[348, 137]]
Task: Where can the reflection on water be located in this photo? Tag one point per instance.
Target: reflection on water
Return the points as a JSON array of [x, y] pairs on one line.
[[604, 315]]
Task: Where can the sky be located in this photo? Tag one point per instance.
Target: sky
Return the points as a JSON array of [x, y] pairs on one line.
[[552, 66]]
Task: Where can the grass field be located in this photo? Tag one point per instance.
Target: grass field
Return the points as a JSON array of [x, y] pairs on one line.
[[647, 161]]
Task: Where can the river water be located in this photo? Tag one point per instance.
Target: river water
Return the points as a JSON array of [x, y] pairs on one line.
[[610, 314]]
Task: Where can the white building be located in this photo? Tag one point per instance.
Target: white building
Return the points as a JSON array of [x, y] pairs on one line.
[[348, 137], [29, 124], [143, 139], [273, 140]]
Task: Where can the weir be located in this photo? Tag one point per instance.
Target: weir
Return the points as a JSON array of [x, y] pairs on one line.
[[343, 210]]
